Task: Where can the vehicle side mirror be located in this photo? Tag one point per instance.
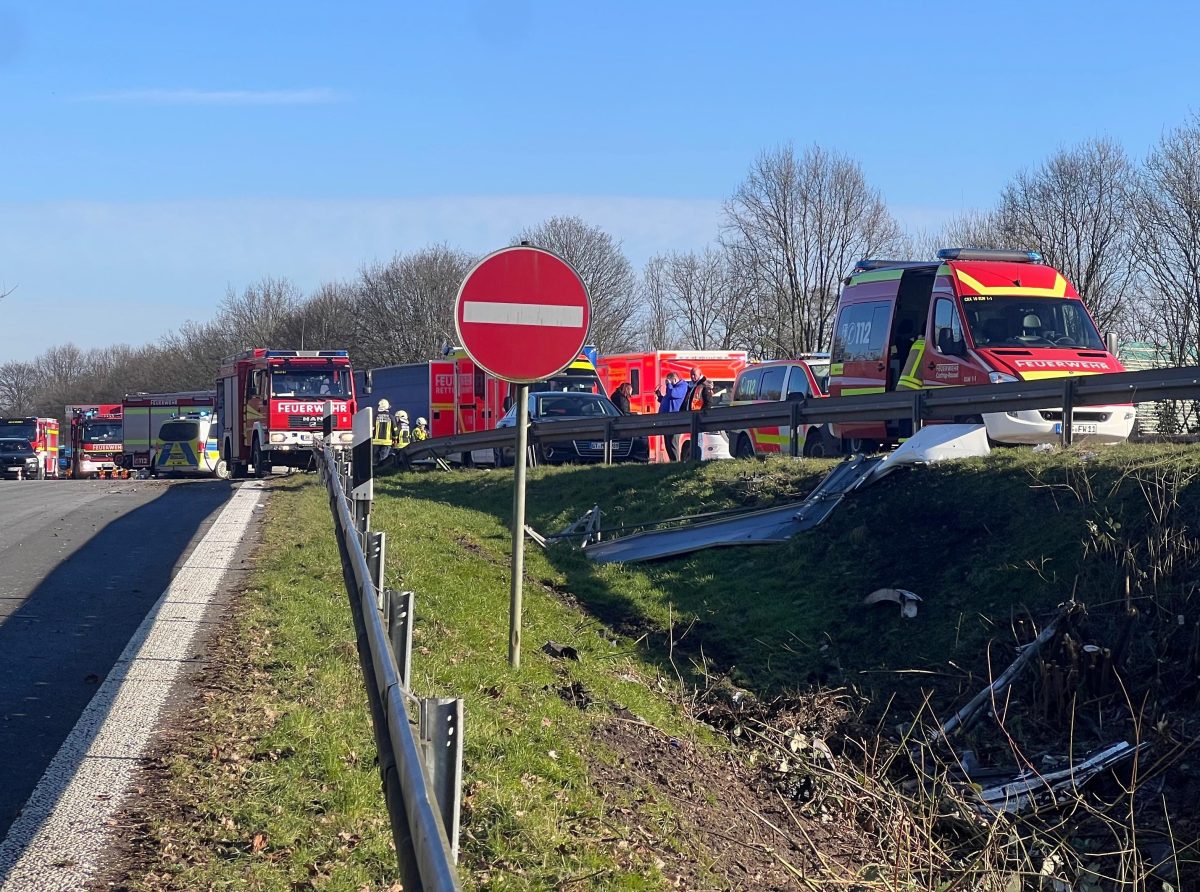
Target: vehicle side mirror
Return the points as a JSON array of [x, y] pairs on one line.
[[1110, 342], [797, 397], [369, 381]]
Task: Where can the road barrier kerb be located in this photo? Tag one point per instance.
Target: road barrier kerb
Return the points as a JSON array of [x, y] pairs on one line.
[[422, 795]]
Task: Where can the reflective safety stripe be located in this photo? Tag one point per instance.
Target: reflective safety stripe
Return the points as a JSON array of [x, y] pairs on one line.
[[857, 391], [909, 377], [177, 455]]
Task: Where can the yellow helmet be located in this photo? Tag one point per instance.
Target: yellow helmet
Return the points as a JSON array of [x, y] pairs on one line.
[[402, 415], [384, 405]]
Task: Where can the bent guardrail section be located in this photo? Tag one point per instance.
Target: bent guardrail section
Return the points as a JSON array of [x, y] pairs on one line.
[[941, 403], [421, 773]]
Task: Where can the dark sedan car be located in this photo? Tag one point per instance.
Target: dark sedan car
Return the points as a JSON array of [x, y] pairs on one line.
[[564, 406], [18, 459]]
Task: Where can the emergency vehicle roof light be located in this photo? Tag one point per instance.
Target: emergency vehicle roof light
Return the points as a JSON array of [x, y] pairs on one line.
[[989, 254], [310, 354], [869, 263]]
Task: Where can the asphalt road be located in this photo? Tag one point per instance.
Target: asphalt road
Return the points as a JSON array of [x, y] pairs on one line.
[[81, 564]]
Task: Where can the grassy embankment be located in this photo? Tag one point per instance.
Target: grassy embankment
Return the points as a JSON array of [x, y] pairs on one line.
[[278, 790]]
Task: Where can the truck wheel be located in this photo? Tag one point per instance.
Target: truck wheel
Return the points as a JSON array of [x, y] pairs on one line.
[[256, 459], [745, 449], [221, 471]]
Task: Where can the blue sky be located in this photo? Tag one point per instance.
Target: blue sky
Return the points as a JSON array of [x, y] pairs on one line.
[[157, 153]]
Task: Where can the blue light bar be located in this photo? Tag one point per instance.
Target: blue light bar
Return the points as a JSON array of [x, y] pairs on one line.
[[989, 254]]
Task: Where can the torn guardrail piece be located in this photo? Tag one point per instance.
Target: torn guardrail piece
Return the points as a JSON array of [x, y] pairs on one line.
[[1031, 789]]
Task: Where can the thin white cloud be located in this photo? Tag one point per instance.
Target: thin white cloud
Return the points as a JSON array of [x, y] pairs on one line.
[[312, 96]]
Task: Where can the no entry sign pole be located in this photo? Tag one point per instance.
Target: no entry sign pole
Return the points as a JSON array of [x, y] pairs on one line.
[[521, 451], [522, 314]]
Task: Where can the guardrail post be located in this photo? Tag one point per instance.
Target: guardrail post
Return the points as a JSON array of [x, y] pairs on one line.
[[696, 452], [794, 438], [1068, 410], [918, 410], [375, 552], [442, 739], [362, 463], [608, 442], [398, 613]]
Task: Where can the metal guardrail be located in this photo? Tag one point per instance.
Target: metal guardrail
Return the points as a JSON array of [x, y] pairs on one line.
[[421, 777], [939, 403]]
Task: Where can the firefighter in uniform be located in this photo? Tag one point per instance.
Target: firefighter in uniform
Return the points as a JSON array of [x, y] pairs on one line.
[[402, 435], [421, 431], [382, 438]]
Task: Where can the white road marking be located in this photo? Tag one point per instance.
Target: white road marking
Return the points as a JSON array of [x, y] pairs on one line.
[[61, 834], [545, 315]]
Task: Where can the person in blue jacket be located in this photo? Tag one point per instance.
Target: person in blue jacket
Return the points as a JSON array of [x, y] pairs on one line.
[[671, 395]]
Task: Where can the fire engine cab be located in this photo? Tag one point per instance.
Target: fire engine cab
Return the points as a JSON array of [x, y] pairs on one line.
[[270, 403], [95, 440], [42, 434], [973, 316]]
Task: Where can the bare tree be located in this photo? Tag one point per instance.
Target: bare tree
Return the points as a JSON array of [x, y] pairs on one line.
[[406, 307], [970, 229], [606, 272], [325, 320], [258, 316], [19, 385], [1075, 210], [1167, 211], [794, 227], [695, 297]]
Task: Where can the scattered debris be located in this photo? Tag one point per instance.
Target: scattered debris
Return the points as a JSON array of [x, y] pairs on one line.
[[902, 596], [588, 525], [1031, 789], [988, 695], [1045, 447], [560, 651], [535, 535]]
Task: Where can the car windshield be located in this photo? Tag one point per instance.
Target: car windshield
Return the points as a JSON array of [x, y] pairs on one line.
[[102, 432], [10, 446], [570, 405], [19, 429], [310, 383], [1045, 323]]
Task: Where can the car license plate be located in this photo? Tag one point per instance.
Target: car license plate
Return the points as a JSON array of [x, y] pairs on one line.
[[1079, 427], [597, 445]]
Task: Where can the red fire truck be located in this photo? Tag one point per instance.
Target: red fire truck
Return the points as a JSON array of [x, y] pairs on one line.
[[42, 434], [271, 402], [95, 440], [646, 371]]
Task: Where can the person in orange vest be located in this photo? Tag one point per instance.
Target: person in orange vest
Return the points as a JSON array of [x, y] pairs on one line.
[[700, 391]]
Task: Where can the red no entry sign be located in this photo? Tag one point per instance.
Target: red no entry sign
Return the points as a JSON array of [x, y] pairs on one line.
[[522, 314]]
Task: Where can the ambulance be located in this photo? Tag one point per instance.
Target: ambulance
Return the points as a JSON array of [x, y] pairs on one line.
[[646, 371], [190, 444], [972, 317]]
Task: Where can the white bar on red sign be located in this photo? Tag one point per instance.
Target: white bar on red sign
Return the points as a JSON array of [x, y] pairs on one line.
[[544, 315]]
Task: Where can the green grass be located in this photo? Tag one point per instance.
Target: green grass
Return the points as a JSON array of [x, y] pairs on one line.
[[982, 541]]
